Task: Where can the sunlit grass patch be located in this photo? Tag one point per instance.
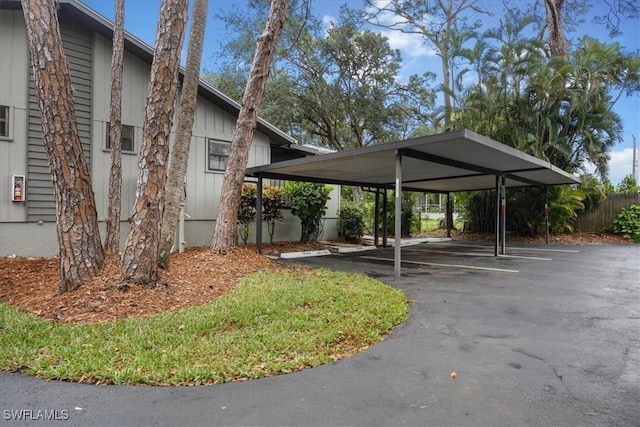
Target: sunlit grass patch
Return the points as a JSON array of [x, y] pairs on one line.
[[272, 323]]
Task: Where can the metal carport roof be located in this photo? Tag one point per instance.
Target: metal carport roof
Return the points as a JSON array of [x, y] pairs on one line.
[[447, 162]]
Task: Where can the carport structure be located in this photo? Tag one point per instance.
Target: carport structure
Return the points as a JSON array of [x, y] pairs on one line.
[[444, 163]]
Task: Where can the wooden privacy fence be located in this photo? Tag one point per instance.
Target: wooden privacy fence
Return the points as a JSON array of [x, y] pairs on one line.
[[607, 211]]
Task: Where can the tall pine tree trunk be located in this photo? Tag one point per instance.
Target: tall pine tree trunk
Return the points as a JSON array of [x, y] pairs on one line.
[[112, 241], [184, 129], [140, 256], [80, 251], [225, 236]]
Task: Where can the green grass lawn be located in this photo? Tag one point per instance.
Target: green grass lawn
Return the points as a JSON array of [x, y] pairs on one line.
[[434, 224], [272, 323]]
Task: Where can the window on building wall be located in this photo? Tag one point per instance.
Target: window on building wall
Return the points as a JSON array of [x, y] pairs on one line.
[[218, 154], [127, 137], [4, 121]]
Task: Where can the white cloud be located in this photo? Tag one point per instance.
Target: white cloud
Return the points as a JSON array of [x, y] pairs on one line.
[[621, 164], [410, 45], [329, 21]]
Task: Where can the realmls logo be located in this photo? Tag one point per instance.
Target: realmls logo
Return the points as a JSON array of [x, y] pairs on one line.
[[35, 415]]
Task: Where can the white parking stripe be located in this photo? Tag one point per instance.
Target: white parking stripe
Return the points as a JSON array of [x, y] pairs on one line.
[[435, 264], [480, 254], [573, 251]]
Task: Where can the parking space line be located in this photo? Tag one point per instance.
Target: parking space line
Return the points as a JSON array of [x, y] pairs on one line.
[[435, 264], [438, 251], [525, 257], [573, 251], [478, 254]]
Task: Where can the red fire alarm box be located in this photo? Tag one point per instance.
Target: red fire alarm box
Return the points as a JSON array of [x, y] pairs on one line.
[[18, 188]]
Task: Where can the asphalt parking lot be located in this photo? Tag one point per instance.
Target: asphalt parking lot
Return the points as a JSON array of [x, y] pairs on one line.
[[543, 336]]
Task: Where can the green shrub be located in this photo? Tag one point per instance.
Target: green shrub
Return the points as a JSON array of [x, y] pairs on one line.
[[627, 223], [308, 201], [350, 222], [406, 215], [272, 202], [247, 210]]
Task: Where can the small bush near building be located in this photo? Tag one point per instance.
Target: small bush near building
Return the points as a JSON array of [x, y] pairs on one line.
[[272, 202], [308, 202], [628, 223], [247, 210], [350, 222]]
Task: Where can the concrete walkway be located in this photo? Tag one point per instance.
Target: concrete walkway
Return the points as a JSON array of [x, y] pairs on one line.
[[548, 341]]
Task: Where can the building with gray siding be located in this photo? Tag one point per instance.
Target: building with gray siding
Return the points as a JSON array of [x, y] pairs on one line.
[[27, 225]]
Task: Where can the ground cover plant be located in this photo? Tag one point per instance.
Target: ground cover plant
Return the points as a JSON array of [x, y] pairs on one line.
[[627, 223], [273, 322]]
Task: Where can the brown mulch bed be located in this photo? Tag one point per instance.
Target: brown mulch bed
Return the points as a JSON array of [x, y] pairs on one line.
[[195, 277]]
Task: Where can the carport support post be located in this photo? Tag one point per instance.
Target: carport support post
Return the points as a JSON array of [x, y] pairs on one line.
[[376, 219], [259, 216], [397, 238], [503, 215], [449, 214], [546, 214], [384, 218], [497, 221]]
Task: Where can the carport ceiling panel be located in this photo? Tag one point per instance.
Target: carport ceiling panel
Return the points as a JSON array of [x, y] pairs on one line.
[[468, 183], [373, 168], [468, 151], [420, 170]]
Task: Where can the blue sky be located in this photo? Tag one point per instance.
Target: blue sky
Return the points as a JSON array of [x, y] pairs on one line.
[[141, 18]]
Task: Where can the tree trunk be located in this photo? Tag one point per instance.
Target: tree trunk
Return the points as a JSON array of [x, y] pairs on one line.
[[80, 251], [112, 241], [182, 142], [225, 236], [446, 81], [140, 257], [557, 42]]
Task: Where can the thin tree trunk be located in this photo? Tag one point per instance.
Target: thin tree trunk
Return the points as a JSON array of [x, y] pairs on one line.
[[112, 241], [184, 130], [446, 80], [140, 257], [557, 42], [80, 251], [225, 236]]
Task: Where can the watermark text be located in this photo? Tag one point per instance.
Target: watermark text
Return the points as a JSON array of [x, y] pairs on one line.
[[35, 414]]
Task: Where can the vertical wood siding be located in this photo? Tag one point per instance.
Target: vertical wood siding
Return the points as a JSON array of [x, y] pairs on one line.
[[14, 65], [203, 186], [77, 44]]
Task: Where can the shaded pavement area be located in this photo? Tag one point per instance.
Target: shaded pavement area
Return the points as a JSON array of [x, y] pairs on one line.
[[544, 336]]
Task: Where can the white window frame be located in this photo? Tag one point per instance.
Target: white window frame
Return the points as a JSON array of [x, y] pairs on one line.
[[133, 138], [8, 133], [221, 157]]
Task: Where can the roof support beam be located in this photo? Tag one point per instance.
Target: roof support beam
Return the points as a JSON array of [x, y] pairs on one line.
[[288, 177], [447, 162], [525, 180], [468, 166]]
